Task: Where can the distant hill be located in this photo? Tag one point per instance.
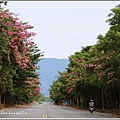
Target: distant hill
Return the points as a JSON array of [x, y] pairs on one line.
[[49, 68]]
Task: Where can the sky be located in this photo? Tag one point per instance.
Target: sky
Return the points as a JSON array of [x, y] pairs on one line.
[[64, 27]]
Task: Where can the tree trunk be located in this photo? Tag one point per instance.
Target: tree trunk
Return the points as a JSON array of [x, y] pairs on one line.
[[119, 100], [70, 100], [78, 100], [4, 99], [0, 98], [102, 100], [81, 101]]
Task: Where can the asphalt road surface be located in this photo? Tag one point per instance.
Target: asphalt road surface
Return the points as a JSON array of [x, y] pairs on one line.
[[49, 110]]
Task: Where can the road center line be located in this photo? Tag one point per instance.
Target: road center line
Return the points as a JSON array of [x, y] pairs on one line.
[[44, 113]]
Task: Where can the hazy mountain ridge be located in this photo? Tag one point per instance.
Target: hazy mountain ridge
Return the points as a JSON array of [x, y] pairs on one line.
[[49, 68]]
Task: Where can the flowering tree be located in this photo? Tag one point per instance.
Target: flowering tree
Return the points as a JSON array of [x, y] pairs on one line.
[[18, 57]]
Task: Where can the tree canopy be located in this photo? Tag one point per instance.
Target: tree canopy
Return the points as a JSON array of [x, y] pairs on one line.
[[93, 72], [19, 55]]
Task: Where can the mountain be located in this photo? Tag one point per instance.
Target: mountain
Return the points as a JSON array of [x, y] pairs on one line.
[[49, 68]]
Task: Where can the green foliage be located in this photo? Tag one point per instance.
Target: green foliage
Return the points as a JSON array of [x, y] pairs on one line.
[[93, 73], [19, 81]]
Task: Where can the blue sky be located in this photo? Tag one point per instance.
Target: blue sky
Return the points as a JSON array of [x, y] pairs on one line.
[[62, 27]]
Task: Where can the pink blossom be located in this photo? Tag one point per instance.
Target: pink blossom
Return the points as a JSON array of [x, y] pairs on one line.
[[26, 60], [18, 37], [99, 66], [9, 23], [24, 65], [18, 62], [30, 43], [16, 48], [5, 16], [33, 34], [97, 59]]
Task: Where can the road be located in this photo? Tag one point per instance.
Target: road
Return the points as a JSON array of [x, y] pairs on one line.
[[48, 110]]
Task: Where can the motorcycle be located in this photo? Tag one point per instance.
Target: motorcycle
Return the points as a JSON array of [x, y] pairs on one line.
[[91, 109]]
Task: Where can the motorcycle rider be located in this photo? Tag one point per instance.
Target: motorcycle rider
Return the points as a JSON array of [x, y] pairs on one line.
[[91, 106]]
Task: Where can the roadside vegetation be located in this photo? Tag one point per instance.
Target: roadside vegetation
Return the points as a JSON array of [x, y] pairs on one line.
[[94, 72], [19, 55]]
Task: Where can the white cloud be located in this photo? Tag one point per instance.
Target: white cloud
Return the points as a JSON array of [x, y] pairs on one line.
[[62, 27]]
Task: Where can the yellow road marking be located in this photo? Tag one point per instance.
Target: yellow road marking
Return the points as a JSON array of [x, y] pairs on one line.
[[44, 113]]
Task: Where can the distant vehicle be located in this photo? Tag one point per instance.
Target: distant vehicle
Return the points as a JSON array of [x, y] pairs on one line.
[[40, 102]]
